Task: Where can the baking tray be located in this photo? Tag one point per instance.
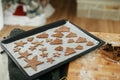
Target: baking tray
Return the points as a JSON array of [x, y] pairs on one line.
[[8, 45]]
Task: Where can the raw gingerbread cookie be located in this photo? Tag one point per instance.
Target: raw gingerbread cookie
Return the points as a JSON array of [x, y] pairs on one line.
[[33, 63], [90, 43], [70, 41], [50, 60], [17, 49], [56, 41], [43, 35], [58, 35], [43, 49], [20, 43], [32, 48], [69, 51], [44, 54], [30, 39], [71, 34], [79, 47], [24, 54], [37, 43], [59, 48], [56, 54], [81, 40], [63, 29]]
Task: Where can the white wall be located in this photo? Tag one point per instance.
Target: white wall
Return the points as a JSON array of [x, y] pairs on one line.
[[1, 16]]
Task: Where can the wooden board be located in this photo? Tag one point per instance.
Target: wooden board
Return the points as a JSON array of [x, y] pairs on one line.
[[94, 66]]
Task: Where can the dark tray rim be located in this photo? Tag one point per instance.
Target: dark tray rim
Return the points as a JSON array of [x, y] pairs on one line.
[[42, 29]]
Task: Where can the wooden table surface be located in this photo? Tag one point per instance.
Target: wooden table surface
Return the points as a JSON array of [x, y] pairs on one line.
[[94, 65], [7, 29]]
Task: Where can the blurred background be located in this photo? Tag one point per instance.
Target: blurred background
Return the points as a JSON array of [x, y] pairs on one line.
[[91, 15]]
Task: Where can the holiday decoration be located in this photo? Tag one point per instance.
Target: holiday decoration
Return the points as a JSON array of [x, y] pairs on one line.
[[19, 10], [26, 12]]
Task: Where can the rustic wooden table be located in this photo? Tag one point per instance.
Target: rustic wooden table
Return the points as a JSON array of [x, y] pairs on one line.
[[94, 65]]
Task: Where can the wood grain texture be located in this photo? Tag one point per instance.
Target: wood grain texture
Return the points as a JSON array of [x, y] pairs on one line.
[[95, 66], [66, 9]]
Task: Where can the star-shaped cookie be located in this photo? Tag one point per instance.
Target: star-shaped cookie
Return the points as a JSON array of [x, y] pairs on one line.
[[32, 48], [17, 49], [24, 54], [33, 63], [43, 49], [56, 54], [50, 60], [44, 54], [21, 43], [37, 43]]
